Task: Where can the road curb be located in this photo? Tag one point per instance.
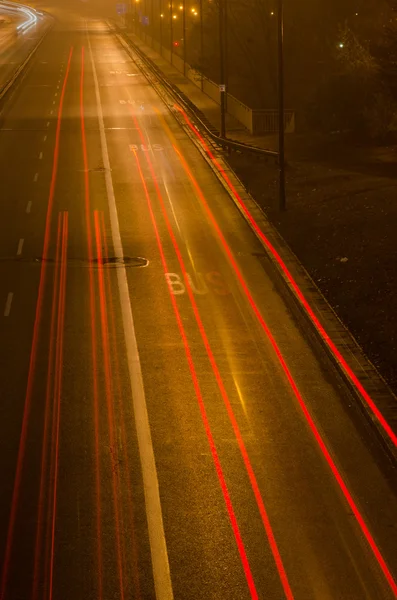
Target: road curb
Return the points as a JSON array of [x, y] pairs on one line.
[[349, 348]]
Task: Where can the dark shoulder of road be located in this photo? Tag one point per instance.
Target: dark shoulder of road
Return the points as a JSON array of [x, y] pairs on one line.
[[340, 221]]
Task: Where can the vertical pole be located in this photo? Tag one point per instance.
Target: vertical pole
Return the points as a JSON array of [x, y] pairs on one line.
[[144, 18], [226, 61], [281, 108], [201, 44], [171, 30], [184, 35], [152, 22], [161, 27], [222, 92]]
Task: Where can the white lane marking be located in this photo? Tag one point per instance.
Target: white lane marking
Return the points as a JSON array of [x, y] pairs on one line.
[[53, 101], [7, 308], [158, 546], [57, 87], [45, 138], [51, 112], [40, 156], [56, 93], [20, 246], [29, 206], [36, 176], [48, 123]]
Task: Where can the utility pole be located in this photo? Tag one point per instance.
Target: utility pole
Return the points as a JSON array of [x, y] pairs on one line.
[[201, 44], [171, 31], [184, 36], [222, 85], [161, 27], [144, 23], [281, 108], [226, 50], [152, 22]]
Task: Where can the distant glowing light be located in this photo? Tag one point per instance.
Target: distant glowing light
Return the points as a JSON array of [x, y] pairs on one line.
[[341, 45], [174, 16]]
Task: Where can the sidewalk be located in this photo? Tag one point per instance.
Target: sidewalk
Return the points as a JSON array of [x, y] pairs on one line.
[[211, 110], [341, 218], [335, 151]]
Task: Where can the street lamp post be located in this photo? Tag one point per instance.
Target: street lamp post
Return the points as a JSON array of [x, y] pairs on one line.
[[226, 50], [222, 86], [171, 31], [281, 108], [152, 22], [201, 44], [144, 18], [161, 29], [184, 35]]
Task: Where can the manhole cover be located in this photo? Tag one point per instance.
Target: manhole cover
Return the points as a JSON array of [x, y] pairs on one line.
[[128, 261]]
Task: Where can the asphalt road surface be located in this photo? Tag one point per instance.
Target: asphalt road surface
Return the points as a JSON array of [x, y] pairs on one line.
[[157, 441]]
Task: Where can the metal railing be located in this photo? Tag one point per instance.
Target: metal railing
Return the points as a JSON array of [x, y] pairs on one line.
[[194, 113]]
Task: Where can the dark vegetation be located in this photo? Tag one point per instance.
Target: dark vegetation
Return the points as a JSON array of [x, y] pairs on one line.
[[340, 60]]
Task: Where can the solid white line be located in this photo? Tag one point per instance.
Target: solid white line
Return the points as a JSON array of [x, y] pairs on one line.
[[40, 155], [158, 546], [29, 206], [36, 176], [20, 246], [7, 309]]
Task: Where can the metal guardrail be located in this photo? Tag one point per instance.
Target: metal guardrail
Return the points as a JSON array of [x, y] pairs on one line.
[[197, 115]]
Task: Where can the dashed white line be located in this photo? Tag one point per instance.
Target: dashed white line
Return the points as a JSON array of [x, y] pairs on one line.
[[51, 112], [20, 246], [48, 123], [45, 138], [7, 308], [53, 101], [36, 176], [158, 546], [56, 93], [29, 206], [40, 155]]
